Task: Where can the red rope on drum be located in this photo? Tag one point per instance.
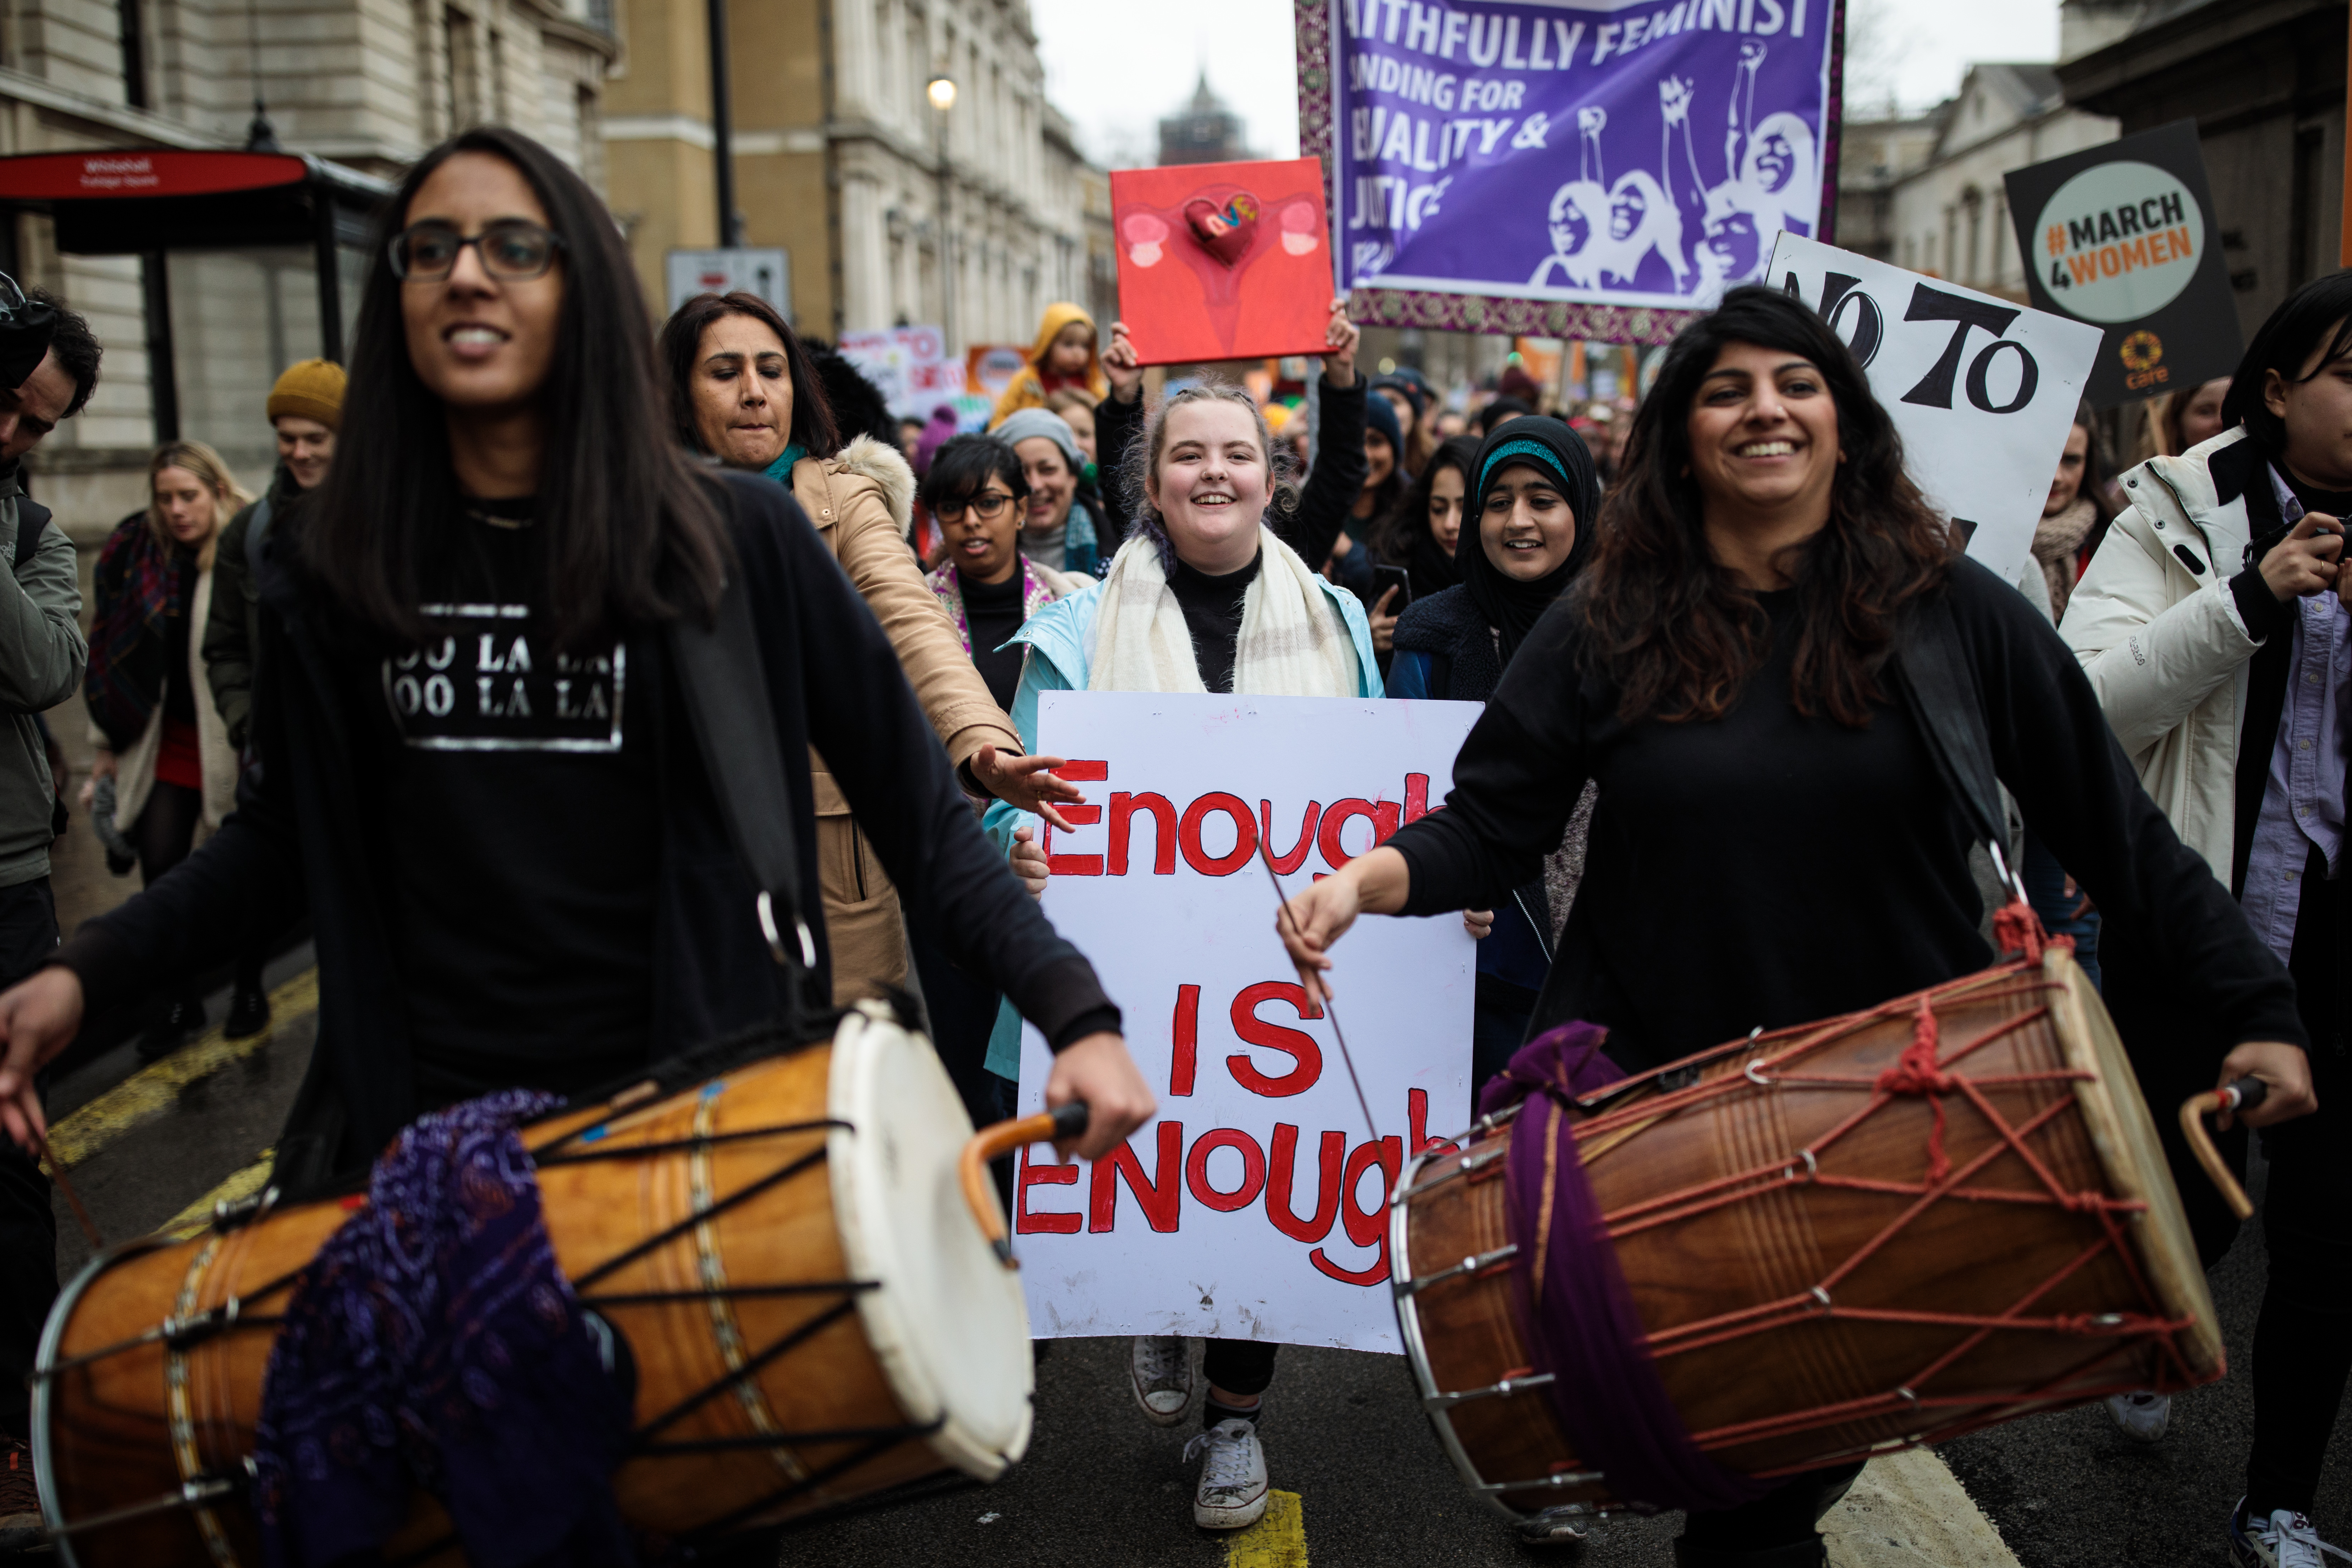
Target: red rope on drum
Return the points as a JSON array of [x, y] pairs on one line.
[[1921, 1070], [1916, 1071]]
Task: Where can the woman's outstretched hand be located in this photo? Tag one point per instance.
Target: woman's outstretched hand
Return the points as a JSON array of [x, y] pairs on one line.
[[39, 1017], [1026, 784]]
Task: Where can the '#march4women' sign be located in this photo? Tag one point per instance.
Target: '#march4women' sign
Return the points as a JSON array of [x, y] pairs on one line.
[[1255, 1205], [1641, 154]]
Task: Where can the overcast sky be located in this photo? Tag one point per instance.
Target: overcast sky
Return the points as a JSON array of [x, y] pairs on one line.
[[1115, 67]]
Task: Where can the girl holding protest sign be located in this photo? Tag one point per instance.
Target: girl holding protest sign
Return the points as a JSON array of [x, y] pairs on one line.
[[1204, 595], [1774, 840], [1531, 527]]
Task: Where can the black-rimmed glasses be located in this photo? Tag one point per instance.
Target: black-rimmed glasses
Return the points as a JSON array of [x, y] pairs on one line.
[[513, 250], [988, 506]]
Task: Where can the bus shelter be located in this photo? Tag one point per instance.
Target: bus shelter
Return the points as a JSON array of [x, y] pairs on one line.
[[247, 262]]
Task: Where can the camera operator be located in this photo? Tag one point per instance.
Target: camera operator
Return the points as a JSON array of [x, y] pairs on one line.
[[50, 359]]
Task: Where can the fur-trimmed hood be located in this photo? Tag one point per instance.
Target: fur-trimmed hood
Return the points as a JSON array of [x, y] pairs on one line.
[[883, 463]]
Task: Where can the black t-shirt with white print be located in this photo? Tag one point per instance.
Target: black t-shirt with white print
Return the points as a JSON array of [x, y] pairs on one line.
[[519, 786]]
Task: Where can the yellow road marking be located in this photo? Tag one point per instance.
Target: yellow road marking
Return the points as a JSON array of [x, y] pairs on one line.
[[154, 1089], [1277, 1541], [237, 1188]]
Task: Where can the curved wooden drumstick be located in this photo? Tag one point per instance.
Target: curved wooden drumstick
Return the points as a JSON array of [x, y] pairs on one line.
[[993, 1142], [2242, 1095]]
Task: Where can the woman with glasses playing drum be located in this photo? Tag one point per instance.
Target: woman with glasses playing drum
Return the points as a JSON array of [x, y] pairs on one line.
[[478, 771], [1773, 842]]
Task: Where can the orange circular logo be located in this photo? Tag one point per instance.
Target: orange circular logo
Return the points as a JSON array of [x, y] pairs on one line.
[[2141, 351]]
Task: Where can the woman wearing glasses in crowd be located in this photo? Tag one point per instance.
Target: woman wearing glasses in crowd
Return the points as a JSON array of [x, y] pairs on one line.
[[976, 487], [744, 390], [477, 767]]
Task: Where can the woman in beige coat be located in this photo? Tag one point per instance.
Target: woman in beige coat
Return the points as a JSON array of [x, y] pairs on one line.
[[156, 734], [742, 390]]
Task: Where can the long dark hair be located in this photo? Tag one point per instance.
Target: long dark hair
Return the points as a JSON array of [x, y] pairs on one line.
[[1406, 523], [2317, 315], [1677, 633], [681, 341], [633, 533]]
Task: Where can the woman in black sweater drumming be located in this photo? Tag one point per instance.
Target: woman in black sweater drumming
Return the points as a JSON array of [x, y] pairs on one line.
[[1773, 842], [479, 767]]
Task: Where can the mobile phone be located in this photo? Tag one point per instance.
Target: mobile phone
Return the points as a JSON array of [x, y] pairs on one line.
[[1397, 577]]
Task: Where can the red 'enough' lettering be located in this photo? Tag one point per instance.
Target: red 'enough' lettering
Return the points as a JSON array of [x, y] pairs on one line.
[[1245, 849], [1159, 1198], [1255, 1031], [1196, 1169]]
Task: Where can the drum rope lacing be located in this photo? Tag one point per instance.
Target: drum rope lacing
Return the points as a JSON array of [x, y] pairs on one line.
[[1921, 1071]]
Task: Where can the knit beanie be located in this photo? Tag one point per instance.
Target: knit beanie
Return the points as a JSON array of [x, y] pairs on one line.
[[311, 389], [1381, 415], [1030, 423]]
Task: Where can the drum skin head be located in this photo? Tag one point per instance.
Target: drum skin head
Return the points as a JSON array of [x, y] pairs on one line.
[[2125, 1137], [950, 1323]]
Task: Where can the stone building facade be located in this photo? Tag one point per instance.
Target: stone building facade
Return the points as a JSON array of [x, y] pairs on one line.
[[1875, 153], [2264, 81], [369, 84], [890, 212], [1951, 214]]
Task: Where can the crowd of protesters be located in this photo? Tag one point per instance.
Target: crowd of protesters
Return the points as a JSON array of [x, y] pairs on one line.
[[1663, 604]]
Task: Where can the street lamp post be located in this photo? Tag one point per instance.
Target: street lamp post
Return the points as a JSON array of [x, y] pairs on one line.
[[941, 91]]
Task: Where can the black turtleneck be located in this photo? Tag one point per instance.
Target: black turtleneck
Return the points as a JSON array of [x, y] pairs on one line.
[[991, 614], [1213, 614]]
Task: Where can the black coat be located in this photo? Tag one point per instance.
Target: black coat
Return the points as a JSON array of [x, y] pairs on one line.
[[300, 842]]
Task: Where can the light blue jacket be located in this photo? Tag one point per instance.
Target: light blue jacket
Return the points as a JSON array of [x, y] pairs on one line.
[[1059, 643]]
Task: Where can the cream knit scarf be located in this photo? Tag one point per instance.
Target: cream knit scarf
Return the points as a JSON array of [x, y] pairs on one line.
[[1293, 642], [2056, 541]]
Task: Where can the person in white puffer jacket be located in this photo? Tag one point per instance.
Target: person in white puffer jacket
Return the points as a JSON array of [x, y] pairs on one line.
[[2214, 627]]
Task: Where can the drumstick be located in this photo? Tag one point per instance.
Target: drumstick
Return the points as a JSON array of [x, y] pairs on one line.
[[2242, 1095], [1061, 1123], [73, 1198], [1282, 913]]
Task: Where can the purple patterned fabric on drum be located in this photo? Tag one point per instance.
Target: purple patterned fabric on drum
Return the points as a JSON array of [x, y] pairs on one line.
[[434, 1343], [1581, 1318]]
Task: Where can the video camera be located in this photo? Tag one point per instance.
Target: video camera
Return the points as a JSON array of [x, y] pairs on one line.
[[26, 326]]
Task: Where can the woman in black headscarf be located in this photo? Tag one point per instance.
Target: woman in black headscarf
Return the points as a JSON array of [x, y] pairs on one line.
[[1526, 530]]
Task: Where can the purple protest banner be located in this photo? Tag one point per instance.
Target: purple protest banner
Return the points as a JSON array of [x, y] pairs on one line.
[[1597, 171]]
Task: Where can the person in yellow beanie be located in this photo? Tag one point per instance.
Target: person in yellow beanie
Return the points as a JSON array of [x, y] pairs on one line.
[[305, 408]]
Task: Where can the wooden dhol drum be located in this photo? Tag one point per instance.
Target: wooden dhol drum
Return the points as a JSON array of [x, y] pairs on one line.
[[1808, 1295], [813, 1315]]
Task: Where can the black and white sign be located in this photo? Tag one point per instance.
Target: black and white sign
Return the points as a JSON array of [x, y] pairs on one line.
[[2124, 235], [490, 684], [1983, 391]]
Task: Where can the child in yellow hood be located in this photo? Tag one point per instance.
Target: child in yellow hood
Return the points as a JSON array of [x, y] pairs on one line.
[[1064, 355]]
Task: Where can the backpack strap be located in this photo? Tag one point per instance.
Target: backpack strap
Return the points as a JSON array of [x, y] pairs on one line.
[[1931, 668], [726, 690], [32, 521], [256, 530]]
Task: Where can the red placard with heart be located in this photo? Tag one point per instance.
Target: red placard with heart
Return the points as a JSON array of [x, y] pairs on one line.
[[1219, 261]]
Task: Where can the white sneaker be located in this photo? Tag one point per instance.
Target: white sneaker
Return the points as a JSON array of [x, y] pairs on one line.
[[2144, 1417], [1159, 1371], [1232, 1492], [1552, 1526], [2280, 1539]]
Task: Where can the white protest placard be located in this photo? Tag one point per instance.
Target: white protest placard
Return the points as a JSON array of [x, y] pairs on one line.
[[908, 365], [1983, 391], [1255, 1206]]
